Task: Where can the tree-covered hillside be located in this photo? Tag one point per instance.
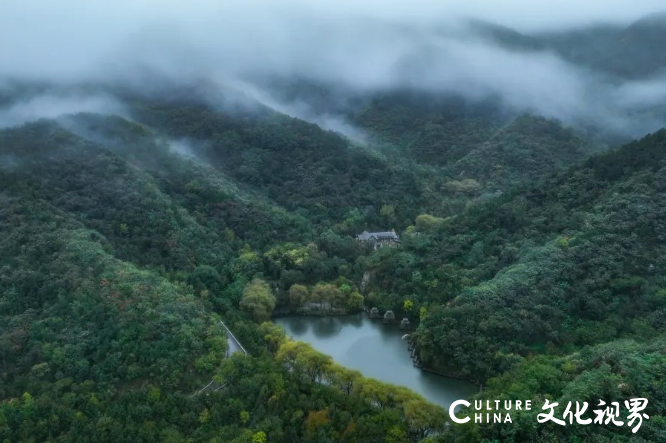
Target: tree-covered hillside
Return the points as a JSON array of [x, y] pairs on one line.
[[431, 129], [176, 177], [123, 243], [633, 52], [95, 349], [297, 164], [542, 279], [626, 52], [118, 260], [524, 151]]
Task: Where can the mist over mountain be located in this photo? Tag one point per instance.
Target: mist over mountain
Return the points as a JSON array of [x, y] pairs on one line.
[[543, 60], [172, 172]]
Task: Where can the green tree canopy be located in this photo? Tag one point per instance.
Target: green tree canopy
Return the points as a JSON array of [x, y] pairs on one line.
[[258, 300]]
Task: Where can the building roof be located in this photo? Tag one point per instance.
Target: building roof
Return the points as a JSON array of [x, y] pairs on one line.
[[368, 236]]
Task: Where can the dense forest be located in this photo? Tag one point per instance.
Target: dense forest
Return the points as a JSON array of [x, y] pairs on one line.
[[113, 292], [532, 260]]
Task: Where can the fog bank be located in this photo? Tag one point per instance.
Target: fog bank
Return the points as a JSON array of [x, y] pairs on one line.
[[366, 46]]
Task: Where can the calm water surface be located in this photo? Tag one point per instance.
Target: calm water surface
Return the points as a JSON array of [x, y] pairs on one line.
[[376, 350]]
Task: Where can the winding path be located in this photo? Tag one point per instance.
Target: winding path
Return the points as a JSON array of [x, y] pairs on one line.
[[234, 344]]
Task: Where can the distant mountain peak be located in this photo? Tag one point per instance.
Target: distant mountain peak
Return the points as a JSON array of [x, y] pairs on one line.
[[658, 18]]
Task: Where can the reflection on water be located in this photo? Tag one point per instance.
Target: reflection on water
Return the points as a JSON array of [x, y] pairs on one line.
[[375, 349]]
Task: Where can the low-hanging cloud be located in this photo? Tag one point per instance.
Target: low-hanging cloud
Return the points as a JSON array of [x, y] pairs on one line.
[[365, 46], [52, 106]]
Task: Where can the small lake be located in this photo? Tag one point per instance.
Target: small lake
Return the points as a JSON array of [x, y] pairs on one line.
[[377, 351]]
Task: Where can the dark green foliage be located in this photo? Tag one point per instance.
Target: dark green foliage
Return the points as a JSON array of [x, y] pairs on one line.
[[295, 163], [58, 285], [469, 139], [433, 130], [635, 51], [527, 149], [106, 194], [575, 261], [215, 200], [614, 371], [121, 249], [106, 338]]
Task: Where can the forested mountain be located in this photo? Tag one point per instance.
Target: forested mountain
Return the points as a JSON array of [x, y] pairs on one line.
[[533, 280], [526, 149], [295, 163], [117, 262], [94, 349], [106, 221], [531, 260], [630, 52], [432, 130]]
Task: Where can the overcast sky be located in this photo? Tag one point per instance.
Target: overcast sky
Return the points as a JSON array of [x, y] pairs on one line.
[[365, 44], [527, 15], [71, 37]]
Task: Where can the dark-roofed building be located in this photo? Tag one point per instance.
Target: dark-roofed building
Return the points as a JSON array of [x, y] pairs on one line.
[[379, 239]]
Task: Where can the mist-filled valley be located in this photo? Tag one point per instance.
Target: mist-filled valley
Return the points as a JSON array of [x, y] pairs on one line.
[[488, 181]]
